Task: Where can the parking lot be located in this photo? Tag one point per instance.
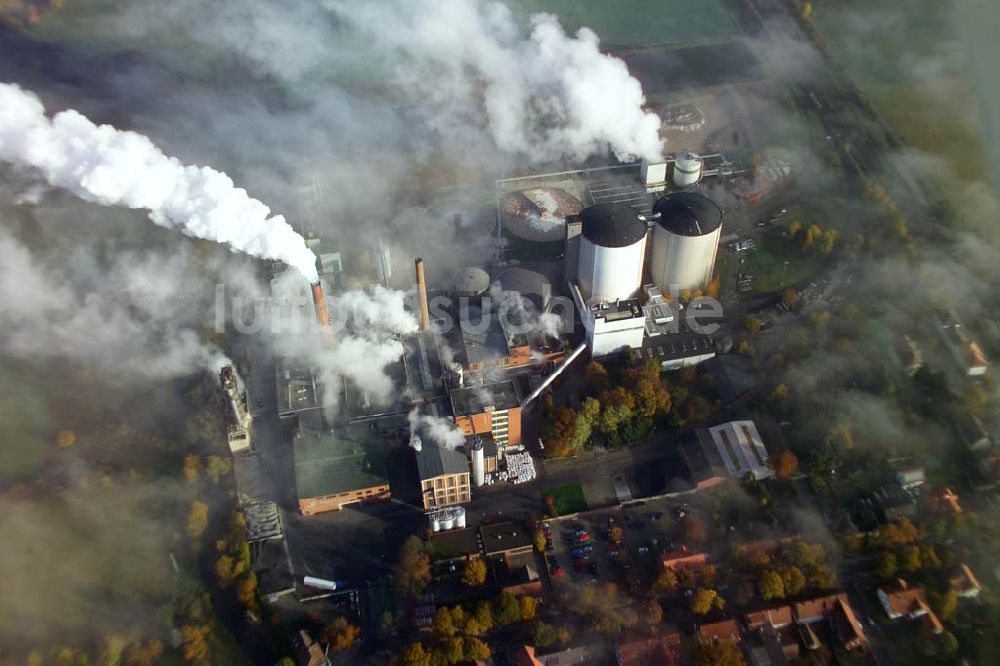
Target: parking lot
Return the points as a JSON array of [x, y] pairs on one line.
[[583, 550]]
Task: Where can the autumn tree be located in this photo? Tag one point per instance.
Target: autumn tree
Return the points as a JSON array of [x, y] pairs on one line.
[[794, 228], [143, 653], [691, 530], [790, 298], [225, 573], [665, 582], [197, 519], [194, 643], [484, 616], [771, 586], [616, 534], [192, 468], [246, 591], [413, 654], [704, 600], [528, 608], [443, 626], [793, 580], [341, 635], [786, 464], [813, 234], [886, 565], [508, 609], [539, 539], [475, 649], [717, 653], [652, 612], [944, 604], [413, 572], [543, 634], [753, 324], [474, 573], [909, 559], [216, 467], [597, 377]]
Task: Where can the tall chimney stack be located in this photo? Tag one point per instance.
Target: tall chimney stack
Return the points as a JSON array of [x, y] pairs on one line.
[[322, 314], [425, 315]]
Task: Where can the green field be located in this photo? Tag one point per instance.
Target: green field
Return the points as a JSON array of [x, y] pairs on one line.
[[778, 262], [567, 499]]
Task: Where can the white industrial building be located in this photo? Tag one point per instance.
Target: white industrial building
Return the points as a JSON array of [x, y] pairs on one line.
[[742, 451], [238, 417], [685, 241], [610, 326], [608, 253]]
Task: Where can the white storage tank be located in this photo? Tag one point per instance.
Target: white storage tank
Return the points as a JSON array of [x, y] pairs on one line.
[[435, 523], [685, 241], [687, 169], [447, 521], [459, 518], [478, 462], [612, 247]]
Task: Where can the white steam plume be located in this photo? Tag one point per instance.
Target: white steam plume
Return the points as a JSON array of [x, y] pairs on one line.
[[546, 97], [111, 167], [437, 429]]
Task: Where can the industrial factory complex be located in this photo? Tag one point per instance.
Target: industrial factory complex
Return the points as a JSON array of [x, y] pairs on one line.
[[454, 426]]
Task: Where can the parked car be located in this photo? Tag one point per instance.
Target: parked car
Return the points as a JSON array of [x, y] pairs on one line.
[[557, 571], [582, 537]]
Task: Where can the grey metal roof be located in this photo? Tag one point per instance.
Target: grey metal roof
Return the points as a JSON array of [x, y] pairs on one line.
[[688, 214], [327, 463], [433, 461], [612, 225]]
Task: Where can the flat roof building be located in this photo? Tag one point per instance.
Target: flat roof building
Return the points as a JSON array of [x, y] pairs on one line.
[[333, 469], [444, 476], [506, 540], [491, 409], [297, 390], [740, 448]]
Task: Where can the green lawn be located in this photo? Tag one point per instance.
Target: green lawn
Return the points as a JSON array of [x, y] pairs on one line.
[[568, 499], [767, 262]]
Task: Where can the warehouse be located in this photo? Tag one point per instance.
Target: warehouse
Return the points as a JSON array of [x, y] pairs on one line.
[[334, 469]]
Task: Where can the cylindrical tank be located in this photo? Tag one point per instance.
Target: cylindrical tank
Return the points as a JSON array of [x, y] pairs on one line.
[[687, 169], [478, 462], [531, 285], [685, 241], [435, 523], [459, 518], [447, 521], [612, 245], [471, 283]]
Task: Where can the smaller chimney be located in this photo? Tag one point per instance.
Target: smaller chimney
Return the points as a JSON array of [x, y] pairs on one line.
[[322, 314], [415, 443], [425, 315]]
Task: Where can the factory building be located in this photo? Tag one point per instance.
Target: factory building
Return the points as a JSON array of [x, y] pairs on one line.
[[685, 241], [608, 252], [238, 417], [334, 469], [492, 409], [610, 326], [444, 475], [298, 392]]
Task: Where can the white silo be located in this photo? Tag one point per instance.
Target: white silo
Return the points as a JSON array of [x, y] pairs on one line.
[[447, 520], [478, 462], [685, 241], [687, 169], [612, 246], [459, 517], [435, 523]]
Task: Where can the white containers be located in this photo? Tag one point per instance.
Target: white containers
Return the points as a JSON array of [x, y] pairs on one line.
[[459, 517], [685, 241], [612, 246], [687, 169]]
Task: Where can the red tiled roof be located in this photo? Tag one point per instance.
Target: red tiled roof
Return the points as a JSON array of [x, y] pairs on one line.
[[656, 651], [776, 617], [726, 630], [814, 608]]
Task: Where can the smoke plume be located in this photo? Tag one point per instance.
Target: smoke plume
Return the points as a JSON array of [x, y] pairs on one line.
[[545, 97], [437, 429], [104, 165]]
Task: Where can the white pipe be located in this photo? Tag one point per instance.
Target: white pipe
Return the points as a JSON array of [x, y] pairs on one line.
[[558, 371]]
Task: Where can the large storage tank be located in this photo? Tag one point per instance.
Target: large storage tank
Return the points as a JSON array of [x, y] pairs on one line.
[[687, 169], [685, 241], [612, 246]]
